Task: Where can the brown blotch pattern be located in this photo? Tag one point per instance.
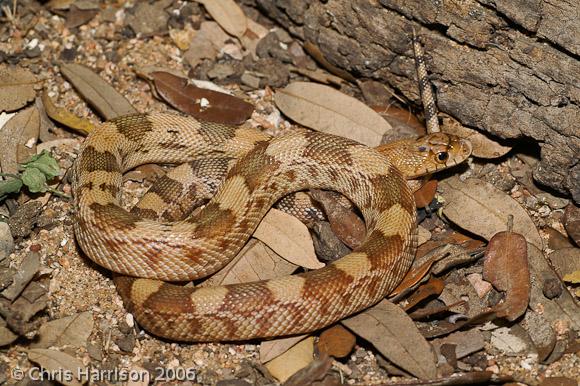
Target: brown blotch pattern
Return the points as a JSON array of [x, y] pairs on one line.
[[216, 134], [377, 246], [113, 215], [133, 127], [92, 160], [167, 188], [215, 223]]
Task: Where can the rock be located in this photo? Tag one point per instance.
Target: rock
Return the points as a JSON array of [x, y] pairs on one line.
[[6, 241], [572, 222]]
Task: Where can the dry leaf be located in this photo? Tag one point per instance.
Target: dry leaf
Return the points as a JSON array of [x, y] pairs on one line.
[[204, 104], [344, 222], [270, 349], [296, 358], [573, 277], [96, 91], [425, 194], [206, 44], [403, 121], [81, 125], [506, 268], [483, 146], [433, 287], [16, 87], [71, 330], [314, 374], [289, 238], [228, 14], [336, 341], [315, 52], [481, 208], [466, 342], [256, 261], [325, 109], [388, 328], [64, 367], [18, 139], [26, 272], [565, 260]]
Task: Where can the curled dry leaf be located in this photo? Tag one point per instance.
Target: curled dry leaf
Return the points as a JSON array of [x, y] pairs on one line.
[[483, 146], [433, 287], [506, 267], [208, 105], [256, 261], [425, 194], [293, 360], [289, 238], [270, 349], [228, 14], [81, 125], [65, 367], [18, 139], [325, 109], [71, 330], [96, 91], [480, 208], [394, 334], [16, 87], [344, 222], [336, 341]]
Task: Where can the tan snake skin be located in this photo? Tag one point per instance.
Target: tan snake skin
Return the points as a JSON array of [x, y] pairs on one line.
[[267, 169]]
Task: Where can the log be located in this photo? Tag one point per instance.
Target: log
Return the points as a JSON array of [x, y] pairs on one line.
[[507, 68]]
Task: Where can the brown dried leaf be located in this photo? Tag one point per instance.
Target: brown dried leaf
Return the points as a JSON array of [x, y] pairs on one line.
[[425, 194], [565, 260], [81, 125], [296, 358], [313, 374], [394, 334], [228, 14], [28, 269], [315, 52], [336, 341], [403, 121], [270, 349], [483, 146], [77, 16], [466, 342], [206, 44], [506, 267], [16, 87], [325, 109], [344, 222], [64, 366], [73, 330], [208, 105], [433, 287], [480, 208], [256, 261], [289, 238], [18, 139], [96, 91]]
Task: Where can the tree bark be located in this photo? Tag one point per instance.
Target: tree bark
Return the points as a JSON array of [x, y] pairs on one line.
[[510, 68]]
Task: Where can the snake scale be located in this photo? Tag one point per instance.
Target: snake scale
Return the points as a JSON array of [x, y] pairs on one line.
[[149, 252]]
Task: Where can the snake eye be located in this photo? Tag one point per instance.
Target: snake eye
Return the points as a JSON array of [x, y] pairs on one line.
[[442, 156]]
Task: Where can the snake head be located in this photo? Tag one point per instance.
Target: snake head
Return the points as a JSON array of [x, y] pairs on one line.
[[430, 153]]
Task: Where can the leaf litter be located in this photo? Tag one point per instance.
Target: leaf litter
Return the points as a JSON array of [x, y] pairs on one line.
[[554, 307]]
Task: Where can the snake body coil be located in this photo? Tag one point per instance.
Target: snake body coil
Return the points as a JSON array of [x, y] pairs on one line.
[[267, 169]]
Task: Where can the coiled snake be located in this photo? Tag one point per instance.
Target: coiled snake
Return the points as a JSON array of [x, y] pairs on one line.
[[267, 169]]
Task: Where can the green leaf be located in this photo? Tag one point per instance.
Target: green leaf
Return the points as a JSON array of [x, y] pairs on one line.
[[12, 185], [35, 180], [44, 163]]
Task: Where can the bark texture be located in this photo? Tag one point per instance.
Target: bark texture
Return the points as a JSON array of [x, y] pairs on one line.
[[507, 67]]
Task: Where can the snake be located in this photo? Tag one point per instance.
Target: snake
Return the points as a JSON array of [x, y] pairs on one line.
[[146, 255]]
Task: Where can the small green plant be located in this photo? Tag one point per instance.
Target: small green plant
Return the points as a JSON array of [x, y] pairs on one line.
[[35, 174]]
